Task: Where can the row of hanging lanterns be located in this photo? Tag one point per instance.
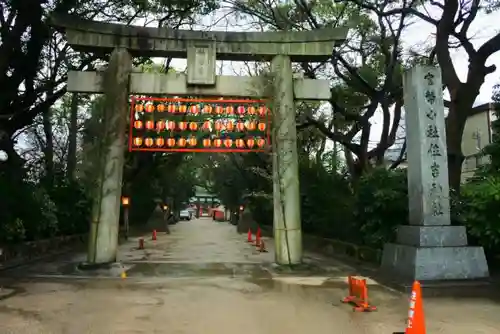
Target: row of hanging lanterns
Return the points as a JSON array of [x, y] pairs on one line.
[[193, 126], [193, 141], [195, 109]]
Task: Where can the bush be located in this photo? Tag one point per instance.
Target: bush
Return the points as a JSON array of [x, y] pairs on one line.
[[29, 212], [381, 201], [72, 207], [326, 202], [478, 208], [366, 214], [26, 210]]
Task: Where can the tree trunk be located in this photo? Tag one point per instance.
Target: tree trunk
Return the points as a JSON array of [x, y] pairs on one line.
[[48, 150], [349, 161], [455, 124], [73, 132]]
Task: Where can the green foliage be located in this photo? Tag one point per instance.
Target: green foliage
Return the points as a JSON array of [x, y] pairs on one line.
[[30, 212], [365, 213], [41, 201], [478, 209], [381, 201], [327, 204], [478, 206], [72, 206]]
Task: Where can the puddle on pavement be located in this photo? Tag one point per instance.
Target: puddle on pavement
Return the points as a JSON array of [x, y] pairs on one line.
[[8, 292], [198, 270]]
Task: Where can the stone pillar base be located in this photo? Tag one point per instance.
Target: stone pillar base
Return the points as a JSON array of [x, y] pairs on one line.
[[434, 263]]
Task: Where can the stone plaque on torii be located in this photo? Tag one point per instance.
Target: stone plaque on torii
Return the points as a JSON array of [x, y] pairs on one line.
[[201, 50]]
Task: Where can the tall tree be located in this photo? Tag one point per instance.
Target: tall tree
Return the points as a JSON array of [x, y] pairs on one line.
[[365, 72], [452, 26], [34, 59]]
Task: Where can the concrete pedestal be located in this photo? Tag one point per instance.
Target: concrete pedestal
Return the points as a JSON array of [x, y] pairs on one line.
[[434, 253], [435, 263]]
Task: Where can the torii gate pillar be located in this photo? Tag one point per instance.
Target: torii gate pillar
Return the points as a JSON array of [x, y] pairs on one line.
[[286, 191], [104, 227]]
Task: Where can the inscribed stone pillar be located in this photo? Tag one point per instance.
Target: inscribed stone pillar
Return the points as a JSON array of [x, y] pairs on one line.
[[103, 242], [286, 195], [429, 248]]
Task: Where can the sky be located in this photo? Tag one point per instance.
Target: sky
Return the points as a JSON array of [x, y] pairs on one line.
[[418, 34]]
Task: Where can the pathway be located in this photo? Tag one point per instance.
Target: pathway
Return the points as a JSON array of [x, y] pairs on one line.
[[205, 278]]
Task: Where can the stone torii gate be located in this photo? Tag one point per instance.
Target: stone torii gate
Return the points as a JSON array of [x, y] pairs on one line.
[[201, 50]]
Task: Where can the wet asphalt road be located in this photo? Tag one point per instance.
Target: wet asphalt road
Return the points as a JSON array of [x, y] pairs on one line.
[[205, 278]]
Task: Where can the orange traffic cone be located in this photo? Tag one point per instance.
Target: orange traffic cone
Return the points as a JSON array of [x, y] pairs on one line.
[[257, 240], [141, 243], [259, 232], [153, 237], [249, 237], [416, 316]]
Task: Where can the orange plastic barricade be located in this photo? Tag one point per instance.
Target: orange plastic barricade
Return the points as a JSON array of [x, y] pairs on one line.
[[358, 295], [416, 316]]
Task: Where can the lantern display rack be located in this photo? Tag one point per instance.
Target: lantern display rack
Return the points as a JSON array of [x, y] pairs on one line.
[[227, 125], [161, 142], [197, 125], [177, 108]]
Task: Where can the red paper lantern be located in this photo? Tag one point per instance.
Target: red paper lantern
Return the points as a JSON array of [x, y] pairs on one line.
[[261, 142], [170, 125], [217, 142], [150, 107], [160, 142], [207, 109], [160, 125], [229, 125], [251, 126], [137, 141], [148, 142], [171, 142], [182, 108], [193, 126], [240, 126], [195, 109], [183, 125], [150, 125], [252, 110], [206, 142], [250, 142], [206, 125], [138, 124], [218, 126], [139, 108], [239, 143], [192, 141], [263, 111], [171, 108], [241, 110], [182, 142], [229, 110], [219, 110], [261, 126], [161, 107], [228, 142]]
